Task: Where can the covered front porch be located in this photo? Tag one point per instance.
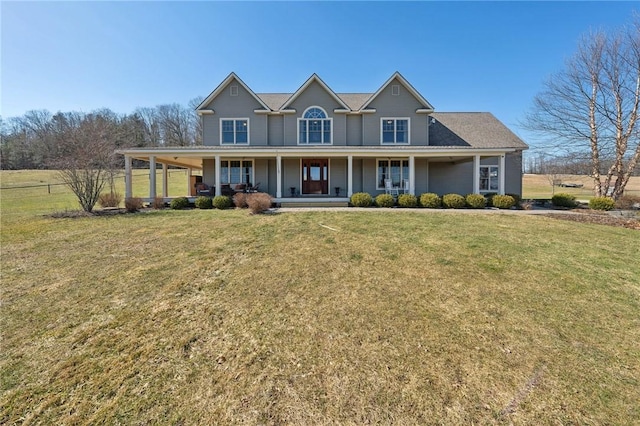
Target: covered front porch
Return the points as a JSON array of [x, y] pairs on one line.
[[325, 174]]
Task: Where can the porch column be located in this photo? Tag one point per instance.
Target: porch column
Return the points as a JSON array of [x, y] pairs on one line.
[[412, 175], [165, 181], [349, 176], [152, 178], [128, 191], [476, 174], [501, 175], [278, 176], [218, 185], [188, 181]]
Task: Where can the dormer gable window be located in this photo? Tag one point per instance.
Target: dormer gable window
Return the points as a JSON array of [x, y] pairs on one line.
[[314, 127]]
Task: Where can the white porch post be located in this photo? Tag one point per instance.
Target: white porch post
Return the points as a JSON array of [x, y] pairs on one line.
[[501, 175], [188, 181], [412, 175], [476, 174], [128, 185], [165, 181], [218, 184], [278, 176], [349, 176], [152, 178]]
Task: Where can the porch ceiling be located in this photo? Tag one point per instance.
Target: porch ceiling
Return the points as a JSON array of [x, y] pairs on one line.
[[185, 162]]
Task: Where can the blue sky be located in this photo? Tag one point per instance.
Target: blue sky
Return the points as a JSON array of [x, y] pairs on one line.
[[462, 56]]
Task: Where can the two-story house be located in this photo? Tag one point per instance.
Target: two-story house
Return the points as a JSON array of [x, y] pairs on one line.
[[315, 144]]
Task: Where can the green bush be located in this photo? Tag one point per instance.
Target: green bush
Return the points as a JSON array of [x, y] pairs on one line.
[[133, 204], [179, 203], [203, 202], [503, 201], [430, 200], [407, 200], [361, 199], [385, 200], [222, 202], [564, 200], [475, 201], [489, 197], [453, 201], [602, 203]]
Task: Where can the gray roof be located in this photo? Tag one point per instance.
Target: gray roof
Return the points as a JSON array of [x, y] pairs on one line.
[[276, 100], [473, 130]]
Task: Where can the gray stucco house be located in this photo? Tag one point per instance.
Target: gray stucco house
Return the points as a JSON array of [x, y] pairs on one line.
[[318, 145]]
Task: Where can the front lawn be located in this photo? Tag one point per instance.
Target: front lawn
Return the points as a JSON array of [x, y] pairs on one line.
[[219, 317]]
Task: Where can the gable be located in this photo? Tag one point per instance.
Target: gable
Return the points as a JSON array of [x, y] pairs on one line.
[[316, 95], [398, 91], [316, 84], [232, 92]]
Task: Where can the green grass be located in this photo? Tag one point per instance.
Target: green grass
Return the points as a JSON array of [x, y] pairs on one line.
[[220, 317]]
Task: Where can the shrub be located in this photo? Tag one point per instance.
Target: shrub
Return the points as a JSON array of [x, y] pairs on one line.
[[503, 201], [179, 203], [627, 202], [407, 200], [602, 203], [133, 204], [157, 203], [222, 202], [475, 201], [112, 199], [361, 199], [240, 200], [563, 199], [430, 200], [203, 202], [489, 197], [516, 198], [259, 202], [453, 201], [385, 200]]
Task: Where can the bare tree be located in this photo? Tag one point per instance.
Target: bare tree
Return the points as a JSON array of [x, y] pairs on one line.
[[86, 157], [591, 107]]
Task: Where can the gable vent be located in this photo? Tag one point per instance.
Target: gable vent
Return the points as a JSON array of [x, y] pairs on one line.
[[395, 90], [233, 90]]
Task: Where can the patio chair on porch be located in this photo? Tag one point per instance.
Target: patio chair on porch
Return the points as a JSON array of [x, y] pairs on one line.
[[390, 189], [405, 186], [204, 189]]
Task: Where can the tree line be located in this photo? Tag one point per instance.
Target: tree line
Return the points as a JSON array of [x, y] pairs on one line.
[[42, 140]]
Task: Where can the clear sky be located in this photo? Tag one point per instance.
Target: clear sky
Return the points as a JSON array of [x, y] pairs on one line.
[[461, 56]]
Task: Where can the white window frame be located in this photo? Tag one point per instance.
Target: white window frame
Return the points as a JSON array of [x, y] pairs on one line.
[[301, 119], [395, 137], [235, 139], [228, 177], [497, 177], [388, 161]]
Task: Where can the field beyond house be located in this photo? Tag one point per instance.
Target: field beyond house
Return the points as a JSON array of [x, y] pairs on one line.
[[380, 316]]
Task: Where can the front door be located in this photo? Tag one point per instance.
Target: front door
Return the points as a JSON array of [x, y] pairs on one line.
[[315, 176]]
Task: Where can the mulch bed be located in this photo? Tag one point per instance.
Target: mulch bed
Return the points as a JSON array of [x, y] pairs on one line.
[[598, 218]]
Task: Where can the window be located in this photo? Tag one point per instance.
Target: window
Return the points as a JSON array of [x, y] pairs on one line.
[[236, 171], [396, 170], [314, 127], [395, 130], [489, 179], [234, 131]]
